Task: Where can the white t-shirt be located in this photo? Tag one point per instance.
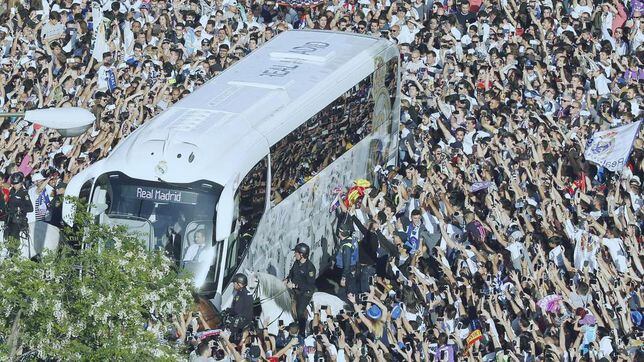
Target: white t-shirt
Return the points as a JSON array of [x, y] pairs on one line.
[[579, 9], [103, 77], [617, 253], [588, 252], [516, 250], [406, 35], [602, 84], [195, 358], [33, 195], [48, 30], [605, 347], [556, 255], [309, 344], [579, 301]]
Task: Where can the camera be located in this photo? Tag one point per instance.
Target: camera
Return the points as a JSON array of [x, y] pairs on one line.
[[218, 353]]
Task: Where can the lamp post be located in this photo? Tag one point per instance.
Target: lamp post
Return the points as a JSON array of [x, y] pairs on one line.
[[68, 121]]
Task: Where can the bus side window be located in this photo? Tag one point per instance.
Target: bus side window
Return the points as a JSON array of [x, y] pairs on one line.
[[251, 202], [85, 190], [322, 139]]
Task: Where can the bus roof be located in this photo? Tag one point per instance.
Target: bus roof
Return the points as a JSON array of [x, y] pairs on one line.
[[227, 125]]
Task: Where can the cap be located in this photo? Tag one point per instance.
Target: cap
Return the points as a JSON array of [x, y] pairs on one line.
[[24, 60], [253, 351], [37, 177], [516, 235], [636, 317], [396, 311], [635, 180], [16, 178], [588, 319], [374, 312]]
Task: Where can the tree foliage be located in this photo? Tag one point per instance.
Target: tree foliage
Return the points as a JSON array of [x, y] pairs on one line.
[[89, 303]]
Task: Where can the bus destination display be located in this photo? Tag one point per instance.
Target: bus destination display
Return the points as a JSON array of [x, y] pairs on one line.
[[158, 194]]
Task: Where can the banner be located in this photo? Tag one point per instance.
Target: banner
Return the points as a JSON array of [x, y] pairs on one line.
[[611, 148], [111, 80], [24, 167], [473, 337], [478, 186], [299, 3]]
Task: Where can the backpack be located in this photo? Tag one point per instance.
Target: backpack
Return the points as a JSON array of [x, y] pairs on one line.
[[351, 243]]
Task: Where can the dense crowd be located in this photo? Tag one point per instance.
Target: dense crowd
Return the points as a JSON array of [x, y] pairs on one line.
[[494, 239]]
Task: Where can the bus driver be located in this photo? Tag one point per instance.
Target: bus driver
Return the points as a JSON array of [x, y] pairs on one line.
[[198, 251]]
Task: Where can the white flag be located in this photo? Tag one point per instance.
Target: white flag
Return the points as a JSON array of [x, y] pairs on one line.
[[100, 43], [612, 147], [99, 34]]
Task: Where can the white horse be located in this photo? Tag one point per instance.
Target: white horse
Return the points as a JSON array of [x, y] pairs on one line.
[[276, 302]]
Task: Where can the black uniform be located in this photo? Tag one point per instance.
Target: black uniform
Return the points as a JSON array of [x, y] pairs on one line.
[[55, 214], [17, 208], [3, 206], [242, 305], [240, 314], [303, 276]]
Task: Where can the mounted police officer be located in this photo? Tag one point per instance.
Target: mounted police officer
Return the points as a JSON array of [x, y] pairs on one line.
[[18, 206], [301, 281], [241, 310]]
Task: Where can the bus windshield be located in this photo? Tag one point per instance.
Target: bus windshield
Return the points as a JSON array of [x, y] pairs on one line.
[[178, 218]]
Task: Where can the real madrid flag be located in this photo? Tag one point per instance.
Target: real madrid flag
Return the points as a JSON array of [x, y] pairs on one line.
[[611, 148], [299, 3]]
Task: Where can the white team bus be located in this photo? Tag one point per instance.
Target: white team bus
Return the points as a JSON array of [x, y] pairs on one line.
[[250, 159]]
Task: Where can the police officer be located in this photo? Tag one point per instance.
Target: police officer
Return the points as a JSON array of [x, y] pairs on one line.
[[240, 313], [242, 305], [301, 281], [346, 261], [3, 201], [18, 206]]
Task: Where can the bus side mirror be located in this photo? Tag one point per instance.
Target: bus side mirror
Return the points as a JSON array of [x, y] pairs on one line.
[[74, 189], [225, 212]]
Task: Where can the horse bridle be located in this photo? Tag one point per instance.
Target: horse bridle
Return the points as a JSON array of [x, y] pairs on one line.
[[260, 301]]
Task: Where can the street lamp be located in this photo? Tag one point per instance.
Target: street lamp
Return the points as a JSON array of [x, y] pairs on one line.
[[68, 121]]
